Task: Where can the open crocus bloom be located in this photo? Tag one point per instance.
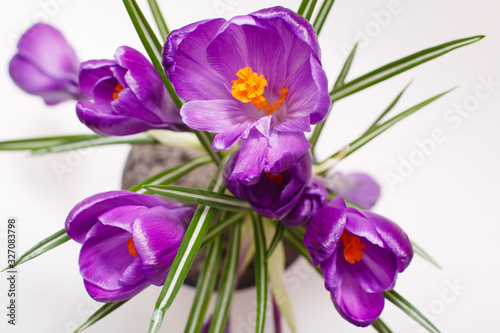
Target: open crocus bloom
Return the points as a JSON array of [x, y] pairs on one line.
[[129, 241], [128, 96], [272, 195], [46, 65], [360, 254], [255, 78]]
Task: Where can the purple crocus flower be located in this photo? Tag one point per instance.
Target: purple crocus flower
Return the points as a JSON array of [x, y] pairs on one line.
[[46, 65], [129, 240], [357, 187], [128, 96], [272, 195], [255, 78], [360, 254], [313, 198]]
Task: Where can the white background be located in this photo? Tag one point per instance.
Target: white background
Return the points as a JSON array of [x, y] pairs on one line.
[[447, 203]]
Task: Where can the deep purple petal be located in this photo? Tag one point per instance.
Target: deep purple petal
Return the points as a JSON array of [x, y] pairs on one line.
[[359, 225], [157, 238], [313, 198], [133, 275], [93, 71], [394, 238], [122, 216], [113, 295], [185, 62], [355, 304], [325, 230], [85, 214], [284, 150]]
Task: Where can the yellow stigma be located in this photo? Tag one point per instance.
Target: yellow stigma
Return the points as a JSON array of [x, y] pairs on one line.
[[117, 91], [131, 247], [353, 248], [249, 88]]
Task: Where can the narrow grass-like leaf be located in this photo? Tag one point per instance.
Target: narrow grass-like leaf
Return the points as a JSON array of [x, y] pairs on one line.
[[228, 281], [278, 236], [202, 197], [205, 286], [399, 66], [422, 253], [260, 272], [206, 141], [160, 21], [45, 142], [297, 242], [364, 139], [381, 327], [171, 175], [387, 110], [220, 227], [93, 142], [303, 7], [187, 251], [322, 15], [103, 311], [310, 9], [340, 81], [410, 310], [40, 248]]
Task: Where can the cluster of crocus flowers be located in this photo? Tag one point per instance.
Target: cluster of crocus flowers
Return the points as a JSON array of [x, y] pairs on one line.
[[257, 82]]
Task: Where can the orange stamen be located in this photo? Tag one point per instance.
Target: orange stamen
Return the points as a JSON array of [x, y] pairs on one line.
[[277, 178], [131, 247], [117, 91], [353, 248]]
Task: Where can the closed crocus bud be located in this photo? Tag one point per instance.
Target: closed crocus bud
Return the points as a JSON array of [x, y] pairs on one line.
[[313, 198], [46, 65], [129, 241], [127, 96], [360, 254], [271, 195], [357, 187]]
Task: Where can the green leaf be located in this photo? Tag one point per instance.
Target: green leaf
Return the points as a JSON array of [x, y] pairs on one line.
[[103, 311], [276, 240], [202, 197], [276, 266], [399, 66], [228, 282], [93, 142], [205, 286], [340, 81], [160, 21], [322, 15], [364, 139], [310, 9], [187, 251], [422, 253], [219, 228], [410, 310], [303, 7], [298, 243], [40, 248], [260, 272], [381, 327], [387, 110], [171, 175], [45, 142]]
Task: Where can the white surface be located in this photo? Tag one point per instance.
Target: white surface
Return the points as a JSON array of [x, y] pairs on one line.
[[447, 204]]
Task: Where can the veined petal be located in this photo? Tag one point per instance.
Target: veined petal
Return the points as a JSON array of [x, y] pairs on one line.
[[122, 216], [358, 224], [394, 238], [285, 148], [324, 231], [133, 275], [226, 139], [93, 71]]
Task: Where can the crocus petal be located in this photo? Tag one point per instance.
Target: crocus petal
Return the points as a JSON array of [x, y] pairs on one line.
[[113, 295], [376, 271], [186, 65], [357, 187], [324, 231], [359, 225], [355, 304], [84, 215], [394, 238], [313, 198], [284, 150], [93, 71], [133, 275], [122, 216], [157, 238]]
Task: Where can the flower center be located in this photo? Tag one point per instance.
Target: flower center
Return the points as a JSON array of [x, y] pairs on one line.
[[277, 178], [131, 247], [117, 91], [353, 248], [249, 88]]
